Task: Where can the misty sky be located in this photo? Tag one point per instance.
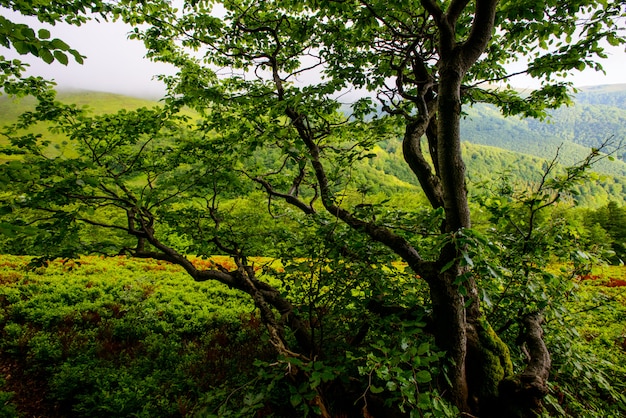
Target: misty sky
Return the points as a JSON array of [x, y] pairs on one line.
[[116, 64]]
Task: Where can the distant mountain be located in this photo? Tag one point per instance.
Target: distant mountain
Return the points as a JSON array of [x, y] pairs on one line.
[[598, 114], [609, 95], [492, 165]]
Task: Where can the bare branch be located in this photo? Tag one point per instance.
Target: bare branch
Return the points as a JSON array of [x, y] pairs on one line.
[[455, 9]]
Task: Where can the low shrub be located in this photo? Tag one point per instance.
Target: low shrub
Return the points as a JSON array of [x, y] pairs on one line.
[[120, 337]]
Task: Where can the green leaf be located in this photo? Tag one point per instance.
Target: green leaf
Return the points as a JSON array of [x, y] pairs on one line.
[[468, 259], [46, 55], [486, 300], [423, 376], [423, 400], [61, 57], [21, 47], [295, 399], [463, 290], [27, 33], [376, 389], [447, 266], [77, 57], [59, 44], [423, 349], [44, 33]]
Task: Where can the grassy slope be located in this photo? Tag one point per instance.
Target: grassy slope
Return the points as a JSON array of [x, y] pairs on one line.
[[98, 102]]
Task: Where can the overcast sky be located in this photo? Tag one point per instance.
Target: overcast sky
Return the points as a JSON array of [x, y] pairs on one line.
[[116, 64]]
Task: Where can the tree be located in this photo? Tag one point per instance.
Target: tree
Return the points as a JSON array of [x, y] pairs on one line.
[[607, 227], [267, 79], [25, 41]]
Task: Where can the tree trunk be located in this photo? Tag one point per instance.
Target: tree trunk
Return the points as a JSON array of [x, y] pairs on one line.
[[450, 333], [448, 301]]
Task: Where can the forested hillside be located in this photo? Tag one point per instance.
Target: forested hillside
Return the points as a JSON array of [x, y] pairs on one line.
[[608, 95], [596, 115], [495, 147]]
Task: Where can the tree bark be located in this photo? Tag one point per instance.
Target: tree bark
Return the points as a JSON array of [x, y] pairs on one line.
[[459, 329]]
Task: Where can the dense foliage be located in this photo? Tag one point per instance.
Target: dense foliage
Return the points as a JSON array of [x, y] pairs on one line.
[[429, 303], [606, 229], [480, 127]]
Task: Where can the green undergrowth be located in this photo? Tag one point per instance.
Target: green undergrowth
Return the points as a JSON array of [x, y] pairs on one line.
[[116, 337], [120, 338], [587, 342]]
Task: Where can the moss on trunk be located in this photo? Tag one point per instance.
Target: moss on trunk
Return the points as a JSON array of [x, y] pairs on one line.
[[488, 364]]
